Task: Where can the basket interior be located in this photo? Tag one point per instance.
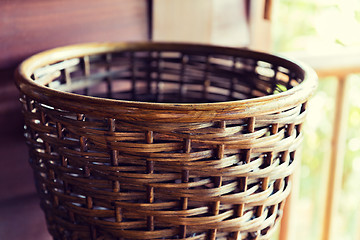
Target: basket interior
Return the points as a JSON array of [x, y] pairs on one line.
[[167, 77]]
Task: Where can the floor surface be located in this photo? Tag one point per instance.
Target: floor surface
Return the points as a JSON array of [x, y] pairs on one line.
[[22, 219]]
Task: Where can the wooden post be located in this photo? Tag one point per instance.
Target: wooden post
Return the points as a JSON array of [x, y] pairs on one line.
[[182, 20], [336, 159], [260, 25], [201, 21]]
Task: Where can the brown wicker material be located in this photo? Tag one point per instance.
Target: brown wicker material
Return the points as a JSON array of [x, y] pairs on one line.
[[162, 141]]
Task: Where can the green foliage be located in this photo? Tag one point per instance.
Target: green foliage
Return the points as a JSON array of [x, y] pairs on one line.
[[324, 25], [357, 15]]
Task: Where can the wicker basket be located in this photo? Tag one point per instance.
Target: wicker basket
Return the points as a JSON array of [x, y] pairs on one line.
[[162, 141]]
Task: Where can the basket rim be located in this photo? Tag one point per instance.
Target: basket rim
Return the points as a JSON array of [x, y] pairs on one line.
[[114, 107]]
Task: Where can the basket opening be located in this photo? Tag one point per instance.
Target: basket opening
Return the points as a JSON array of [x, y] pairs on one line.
[[167, 77]]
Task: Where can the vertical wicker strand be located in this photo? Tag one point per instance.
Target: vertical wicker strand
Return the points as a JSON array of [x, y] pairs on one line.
[[278, 182], [300, 126], [274, 79], [286, 207], [86, 62], [239, 211], [232, 80], [218, 182], [285, 157], [148, 73], [184, 60], [67, 77], [265, 182], [115, 162], [158, 76], [291, 77], [185, 179], [59, 131], [206, 80], [46, 144], [51, 173], [108, 59], [66, 190], [86, 170], [28, 106], [149, 136], [38, 160]]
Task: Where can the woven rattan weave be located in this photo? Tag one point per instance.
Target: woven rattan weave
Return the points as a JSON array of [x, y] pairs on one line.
[[162, 141]]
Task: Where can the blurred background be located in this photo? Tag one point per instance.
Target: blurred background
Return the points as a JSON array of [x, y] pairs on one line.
[[323, 33], [326, 35]]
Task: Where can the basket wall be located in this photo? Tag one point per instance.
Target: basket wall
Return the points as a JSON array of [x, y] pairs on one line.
[[108, 169]]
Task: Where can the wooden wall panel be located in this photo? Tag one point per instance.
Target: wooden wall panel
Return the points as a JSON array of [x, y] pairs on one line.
[[30, 26], [27, 27]]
